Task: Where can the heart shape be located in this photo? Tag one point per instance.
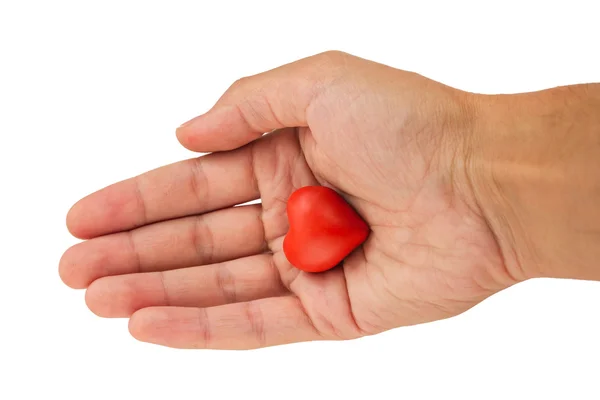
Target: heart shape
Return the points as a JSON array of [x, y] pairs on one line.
[[324, 229]]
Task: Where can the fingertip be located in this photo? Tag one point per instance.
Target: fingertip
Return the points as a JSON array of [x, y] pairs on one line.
[[77, 220], [68, 268], [142, 322], [98, 300], [134, 327], [91, 300], [185, 139], [112, 297], [73, 220], [136, 323], [191, 134], [65, 269], [220, 129]]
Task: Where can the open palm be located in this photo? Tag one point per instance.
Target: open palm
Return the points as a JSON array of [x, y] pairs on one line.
[[176, 251]]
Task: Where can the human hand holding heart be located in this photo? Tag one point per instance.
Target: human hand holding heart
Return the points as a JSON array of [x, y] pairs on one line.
[[181, 252]]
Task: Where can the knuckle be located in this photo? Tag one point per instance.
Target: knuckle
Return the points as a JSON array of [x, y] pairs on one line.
[[199, 183], [203, 240], [205, 339], [333, 57], [239, 83], [256, 321], [226, 284]]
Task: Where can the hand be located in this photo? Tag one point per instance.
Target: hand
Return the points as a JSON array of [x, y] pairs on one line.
[[169, 249]]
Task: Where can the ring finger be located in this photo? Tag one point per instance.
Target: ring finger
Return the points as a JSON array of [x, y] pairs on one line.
[[244, 279]]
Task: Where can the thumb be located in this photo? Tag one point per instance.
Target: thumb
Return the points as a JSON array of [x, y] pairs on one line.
[[254, 105]]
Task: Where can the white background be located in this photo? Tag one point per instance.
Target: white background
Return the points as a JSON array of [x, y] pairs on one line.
[[91, 93]]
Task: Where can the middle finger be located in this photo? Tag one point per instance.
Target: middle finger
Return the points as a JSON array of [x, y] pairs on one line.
[[203, 239]]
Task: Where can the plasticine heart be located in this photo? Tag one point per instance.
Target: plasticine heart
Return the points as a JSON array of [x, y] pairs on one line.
[[324, 229]]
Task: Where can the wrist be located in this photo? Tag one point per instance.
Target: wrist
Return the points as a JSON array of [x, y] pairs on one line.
[[535, 170]]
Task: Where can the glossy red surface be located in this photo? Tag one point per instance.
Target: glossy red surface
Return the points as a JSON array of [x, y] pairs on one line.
[[324, 229]]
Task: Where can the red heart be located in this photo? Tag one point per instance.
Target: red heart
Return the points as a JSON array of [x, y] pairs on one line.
[[324, 229]]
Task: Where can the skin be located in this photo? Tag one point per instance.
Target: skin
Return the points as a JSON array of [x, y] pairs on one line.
[[456, 187]]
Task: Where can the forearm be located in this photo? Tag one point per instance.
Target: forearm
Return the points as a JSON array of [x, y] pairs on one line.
[[535, 168]]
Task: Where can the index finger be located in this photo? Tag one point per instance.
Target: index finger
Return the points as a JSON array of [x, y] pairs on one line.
[[194, 186]]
